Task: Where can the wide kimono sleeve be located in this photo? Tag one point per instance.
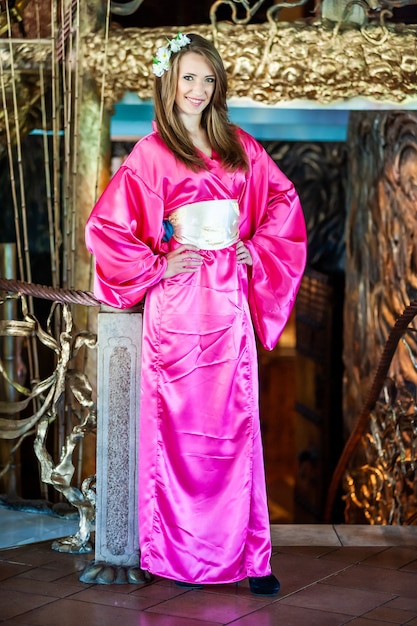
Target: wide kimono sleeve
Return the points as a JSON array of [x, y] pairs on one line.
[[123, 233], [278, 245]]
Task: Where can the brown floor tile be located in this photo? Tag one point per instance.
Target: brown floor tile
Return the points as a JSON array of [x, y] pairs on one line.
[[392, 558], [15, 603], [323, 597], [66, 563], [207, 607], [388, 581], [38, 587], [48, 574], [328, 585], [9, 622], [407, 604], [352, 555], [7, 570], [362, 621], [285, 615], [70, 612], [110, 596], [158, 591], [390, 615], [311, 551], [32, 554], [296, 571], [410, 567]]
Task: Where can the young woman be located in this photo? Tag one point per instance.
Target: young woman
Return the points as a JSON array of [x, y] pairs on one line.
[[201, 223]]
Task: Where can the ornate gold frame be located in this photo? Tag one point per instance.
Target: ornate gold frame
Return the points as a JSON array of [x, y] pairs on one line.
[[277, 62]]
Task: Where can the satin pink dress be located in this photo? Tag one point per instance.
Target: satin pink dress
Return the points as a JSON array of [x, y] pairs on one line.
[[203, 514]]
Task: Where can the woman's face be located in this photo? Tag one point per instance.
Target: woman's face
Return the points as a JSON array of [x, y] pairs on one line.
[[196, 82]]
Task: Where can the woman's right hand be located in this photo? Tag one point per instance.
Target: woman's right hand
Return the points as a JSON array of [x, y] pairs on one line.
[[183, 260]]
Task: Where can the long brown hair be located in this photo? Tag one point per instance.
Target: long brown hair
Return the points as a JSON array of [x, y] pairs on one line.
[[222, 134]]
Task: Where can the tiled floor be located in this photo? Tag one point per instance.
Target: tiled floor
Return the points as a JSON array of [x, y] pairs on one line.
[[330, 575]]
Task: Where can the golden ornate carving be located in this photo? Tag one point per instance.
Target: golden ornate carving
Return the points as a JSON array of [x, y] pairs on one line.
[[275, 62], [381, 487]]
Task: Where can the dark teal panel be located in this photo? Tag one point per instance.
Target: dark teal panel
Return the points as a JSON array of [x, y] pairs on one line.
[[133, 119]]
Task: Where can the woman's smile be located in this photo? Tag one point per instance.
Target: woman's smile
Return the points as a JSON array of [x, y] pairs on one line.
[[195, 101]]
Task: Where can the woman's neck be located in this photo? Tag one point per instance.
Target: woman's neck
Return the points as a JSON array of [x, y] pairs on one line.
[[202, 143], [197, 134]]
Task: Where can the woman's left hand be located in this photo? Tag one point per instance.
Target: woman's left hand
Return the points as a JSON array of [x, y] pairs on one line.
[[242, 254]]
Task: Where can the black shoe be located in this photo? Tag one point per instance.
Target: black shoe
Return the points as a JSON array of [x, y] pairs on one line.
[[264, 585], [179, 583]]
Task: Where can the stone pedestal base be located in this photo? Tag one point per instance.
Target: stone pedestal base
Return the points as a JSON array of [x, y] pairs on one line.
[[118, 409]]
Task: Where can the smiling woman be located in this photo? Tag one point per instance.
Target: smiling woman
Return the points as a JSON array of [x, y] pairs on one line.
[[211, 122], [229, 266]]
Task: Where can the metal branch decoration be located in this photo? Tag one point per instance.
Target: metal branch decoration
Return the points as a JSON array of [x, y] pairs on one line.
[[250, 11], [66, 390]]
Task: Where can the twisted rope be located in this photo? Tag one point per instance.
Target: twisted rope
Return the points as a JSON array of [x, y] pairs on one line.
[[362, 421], [66, 296]]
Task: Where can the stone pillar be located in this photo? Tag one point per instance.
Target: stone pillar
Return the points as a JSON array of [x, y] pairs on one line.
[[118, 410]]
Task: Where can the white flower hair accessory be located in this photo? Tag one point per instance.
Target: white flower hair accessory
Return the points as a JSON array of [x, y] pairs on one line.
[[163, 54]]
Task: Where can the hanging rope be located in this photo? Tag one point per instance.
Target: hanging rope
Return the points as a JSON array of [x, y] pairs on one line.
[[75, 54], [102, 91], [21, 221]]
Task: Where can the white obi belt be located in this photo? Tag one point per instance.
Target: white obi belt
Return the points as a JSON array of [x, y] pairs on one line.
[[208, 225]]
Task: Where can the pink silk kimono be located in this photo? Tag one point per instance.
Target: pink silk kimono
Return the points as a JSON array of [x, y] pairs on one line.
[[203, 514]]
